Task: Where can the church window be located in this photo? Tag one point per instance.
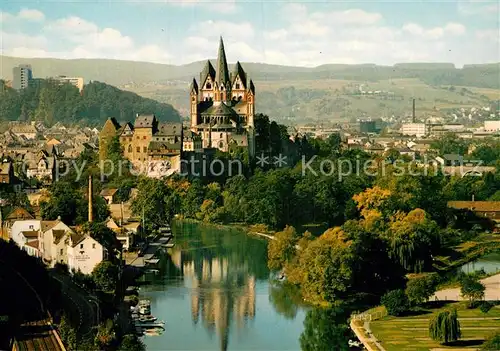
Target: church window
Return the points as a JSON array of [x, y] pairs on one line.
[[138, 149], [237, 85], [221, 135], [144, 137], [221, 87], [221, 144], [130, 148], [209, 86], [145, 149], [222, 96], [193, 99]]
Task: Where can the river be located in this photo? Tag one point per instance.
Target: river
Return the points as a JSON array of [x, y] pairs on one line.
[[215, 293]]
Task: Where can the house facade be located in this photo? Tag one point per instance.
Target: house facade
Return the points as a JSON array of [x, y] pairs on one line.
[[84, 253]]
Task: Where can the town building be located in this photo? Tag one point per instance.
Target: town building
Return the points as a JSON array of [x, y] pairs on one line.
[[492, 126], [488, 210], [83, 253], [414, 129], [223, 106], [22, 74], [153, 147], [76, 81]]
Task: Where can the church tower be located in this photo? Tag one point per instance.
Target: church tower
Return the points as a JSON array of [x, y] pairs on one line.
[[194, 103], [222, 80]]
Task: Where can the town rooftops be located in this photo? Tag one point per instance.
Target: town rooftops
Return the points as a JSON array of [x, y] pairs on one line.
[[108, 192], [476, 206], [19, 213], [144, 121], [30, 234], [165, 128], [33, 244], [58, 235]]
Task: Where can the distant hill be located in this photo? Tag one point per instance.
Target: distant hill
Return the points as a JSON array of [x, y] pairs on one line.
[[118, 72], [326, 92], [50, 102]]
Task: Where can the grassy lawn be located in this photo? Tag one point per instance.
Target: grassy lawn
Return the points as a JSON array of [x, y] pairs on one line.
[[411, 333]]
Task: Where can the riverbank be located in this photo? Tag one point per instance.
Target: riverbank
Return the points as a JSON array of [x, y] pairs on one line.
[[410, 333], [491, 292]]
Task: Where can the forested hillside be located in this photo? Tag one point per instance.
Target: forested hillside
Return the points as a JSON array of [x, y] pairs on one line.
[[50, 102]]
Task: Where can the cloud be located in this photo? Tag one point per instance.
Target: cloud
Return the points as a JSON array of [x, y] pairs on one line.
[[22, 15], [214, 29], [436, 32], [220, 6], [478, 8], [31, 15]]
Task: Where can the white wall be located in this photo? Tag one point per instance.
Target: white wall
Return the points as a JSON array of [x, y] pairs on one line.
[[85, 255], [20, 226]]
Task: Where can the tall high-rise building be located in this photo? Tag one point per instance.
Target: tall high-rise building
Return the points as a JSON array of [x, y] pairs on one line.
[[23, 74]]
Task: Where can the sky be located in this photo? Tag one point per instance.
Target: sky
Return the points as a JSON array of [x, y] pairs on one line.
[[298, 33]]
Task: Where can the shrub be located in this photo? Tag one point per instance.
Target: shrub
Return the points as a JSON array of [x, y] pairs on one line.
[[445, 327], [396, 302], [419, 290], [492, 344], [472, 289], [485, 306]]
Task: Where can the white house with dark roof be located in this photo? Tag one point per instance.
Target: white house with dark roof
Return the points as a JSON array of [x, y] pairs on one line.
[[83, 253]]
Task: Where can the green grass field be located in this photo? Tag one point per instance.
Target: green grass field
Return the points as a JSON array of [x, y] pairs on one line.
[[411, 333]]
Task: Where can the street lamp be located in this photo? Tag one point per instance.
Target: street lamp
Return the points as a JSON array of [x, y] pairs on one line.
[[97, 305]]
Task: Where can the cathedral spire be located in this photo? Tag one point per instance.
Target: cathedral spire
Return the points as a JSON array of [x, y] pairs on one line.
[[222, 71]]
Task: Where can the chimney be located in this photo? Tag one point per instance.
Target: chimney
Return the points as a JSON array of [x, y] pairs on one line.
[[90, 199], [413, 113], [472, 197]]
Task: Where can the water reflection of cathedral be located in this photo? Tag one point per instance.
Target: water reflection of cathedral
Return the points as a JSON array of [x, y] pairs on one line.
[[220, 292]]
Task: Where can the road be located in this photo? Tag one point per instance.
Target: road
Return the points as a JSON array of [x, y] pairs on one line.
[[77, 302], [492, 292]]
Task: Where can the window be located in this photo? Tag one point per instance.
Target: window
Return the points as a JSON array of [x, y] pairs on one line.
[[130, 148], [31, 227], [138, 149], [221, 144], [209, 86], [193, 99], [221, 135], [137, 137], [81, 246], [144, 137], [222, 87], [145, 149], [237, 85], [61, 251], [93, 246]]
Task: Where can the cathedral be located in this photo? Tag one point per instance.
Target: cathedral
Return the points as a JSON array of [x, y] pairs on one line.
[[223, 106]]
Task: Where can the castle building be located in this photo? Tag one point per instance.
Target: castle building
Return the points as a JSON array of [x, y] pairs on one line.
[[223, 106], [154, 146]]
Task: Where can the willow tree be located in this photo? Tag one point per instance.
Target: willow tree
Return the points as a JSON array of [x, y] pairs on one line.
[[445, 327]]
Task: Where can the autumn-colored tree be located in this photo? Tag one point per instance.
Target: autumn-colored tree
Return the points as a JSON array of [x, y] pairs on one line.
[[282, 249]]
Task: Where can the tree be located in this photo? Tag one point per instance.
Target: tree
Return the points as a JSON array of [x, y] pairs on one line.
[[106, 335], [151, 202], [282, 249], [105, 275], [396, 302], [472, 289], [325, 330], [131, 342], [445, 327], [67, 332], [419, 290], [492, 344]]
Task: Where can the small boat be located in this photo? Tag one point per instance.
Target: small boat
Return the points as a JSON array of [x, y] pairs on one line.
[[153, 332], [158, 324], [147, 318]]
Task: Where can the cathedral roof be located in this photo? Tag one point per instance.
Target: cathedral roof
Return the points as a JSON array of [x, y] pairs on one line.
[[222, 71], [219, 110], [238, 71], [208, 71], [194, 86]]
